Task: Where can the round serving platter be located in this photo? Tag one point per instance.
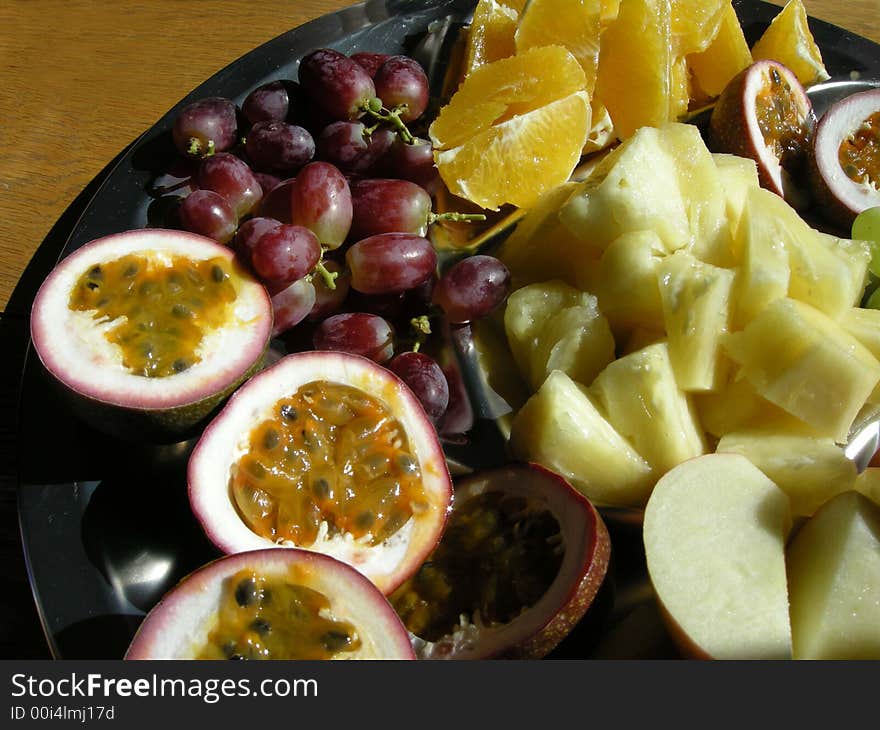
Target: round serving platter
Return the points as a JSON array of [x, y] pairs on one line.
[[106, 525]]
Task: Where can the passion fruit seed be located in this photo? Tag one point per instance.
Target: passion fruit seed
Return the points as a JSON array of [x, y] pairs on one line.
[[859, 153], [498, 556], [163, 309], [262, 618], [780, 123], [332, 455]]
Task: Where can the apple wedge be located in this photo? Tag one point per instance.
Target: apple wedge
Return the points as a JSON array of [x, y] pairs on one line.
[[834, 575], [715, 530]]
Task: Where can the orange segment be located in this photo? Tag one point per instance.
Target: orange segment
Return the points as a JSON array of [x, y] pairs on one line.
[[500, 90], [789, 41], [695, 23], [574, 24], [725, 57], [490, 37], [518, 160]]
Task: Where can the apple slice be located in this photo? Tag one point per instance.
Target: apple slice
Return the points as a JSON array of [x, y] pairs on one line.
[[834, 574], [715, 530]]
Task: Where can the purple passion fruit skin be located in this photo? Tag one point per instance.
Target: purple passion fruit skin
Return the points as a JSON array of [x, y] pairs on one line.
[[98, 350], [197, 617], [764, 114], [845, 169], [237, 470], [551, 552]]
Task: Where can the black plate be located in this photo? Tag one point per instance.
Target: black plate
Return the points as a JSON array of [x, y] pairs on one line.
[[106, 525]]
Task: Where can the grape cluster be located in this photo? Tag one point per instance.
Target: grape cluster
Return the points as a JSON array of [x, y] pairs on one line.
[[325, 192]]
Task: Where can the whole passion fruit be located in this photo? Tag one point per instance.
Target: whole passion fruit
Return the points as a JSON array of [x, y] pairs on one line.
[[764, 114], [272, 604], [326, 451], [148, 330], [520, 562], [846, 157]]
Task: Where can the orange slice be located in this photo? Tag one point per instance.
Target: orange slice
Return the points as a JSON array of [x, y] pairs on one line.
[[491, 34], [519, 159], [789, 41], [724, 58], [695, 23]]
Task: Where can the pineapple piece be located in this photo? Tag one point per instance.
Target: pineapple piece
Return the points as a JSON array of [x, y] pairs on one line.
[[868, 483], [627, 283], [809, 469], [696, 312], [560, 428], [734, 406], [864, 325], [856, 256], [798, 358], [737, 175], [642, 401]]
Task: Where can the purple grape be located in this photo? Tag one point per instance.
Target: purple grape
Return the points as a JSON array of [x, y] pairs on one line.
[[402, 83], [459, 416], [279, 146], [229, 176], [249, 233], [348, 146], [472, 288], [330, 301], [267, 103], [205, 127], [413, 161], [285, 254], [208, 214], [357, 333], [425, 379], [390, 262], [383, 205], [370, 61], [291, 305], [276, 204], [267, 181], [320, 200], [336, 83]]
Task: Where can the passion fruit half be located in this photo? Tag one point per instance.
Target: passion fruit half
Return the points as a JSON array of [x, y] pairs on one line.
[[326, 451], [520, 562], [764, 114], [846, 157], [272, 604], [148, 330]]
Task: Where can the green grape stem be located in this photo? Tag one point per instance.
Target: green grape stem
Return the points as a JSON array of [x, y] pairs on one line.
[[328, 276], [422, 327], [455, 217], [375, 109], [195, 147]]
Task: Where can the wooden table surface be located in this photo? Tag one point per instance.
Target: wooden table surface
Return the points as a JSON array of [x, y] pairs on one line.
[[81, 80]]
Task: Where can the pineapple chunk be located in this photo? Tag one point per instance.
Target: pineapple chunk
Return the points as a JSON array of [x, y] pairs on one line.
[[856, 256], [641, 399], [868, 483], [801, 360], [627, 283], [809, 469], [864, 325], [732, 407], [696, 310], [737, 175], [560, 428]]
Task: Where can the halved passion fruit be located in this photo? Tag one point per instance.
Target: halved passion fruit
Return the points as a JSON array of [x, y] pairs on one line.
[[764, 114], [325, 451], [520, 562], [148, 330], [846, 157], [272, 604]]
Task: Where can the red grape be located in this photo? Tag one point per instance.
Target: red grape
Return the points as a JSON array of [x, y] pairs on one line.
[[425, 379], [267, 181], [285, 254], [459, 416], [472, 288], [208, 214], [291, 305], [330, 301], [267, 103], [336, 83], [249, 233], [229, 176], [402, 82], [205, 127], [390, 262], [383, 205], [358, 333], [320, 200], [279, 147], [276, 203], [370, 61], [348, 146], [413, 161]]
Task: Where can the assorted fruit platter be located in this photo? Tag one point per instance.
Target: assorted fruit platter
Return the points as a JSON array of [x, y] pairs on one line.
[[445, 345]]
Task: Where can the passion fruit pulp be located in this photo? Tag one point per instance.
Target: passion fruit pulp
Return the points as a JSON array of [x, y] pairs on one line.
[[329, 452], [520, 562], [764, 114], [272, 604], [147, 331], [845, 174]]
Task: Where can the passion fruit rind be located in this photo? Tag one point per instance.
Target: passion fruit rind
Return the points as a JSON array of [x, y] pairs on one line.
[[539, 628], [88, 369], [177, 627], [387, 563], [734, 129], [840, 198]]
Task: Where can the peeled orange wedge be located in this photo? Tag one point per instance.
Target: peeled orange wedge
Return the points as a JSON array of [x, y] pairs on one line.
[[491, 34], [695, 23], [723, 58], [514, 129], [789, 41]]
